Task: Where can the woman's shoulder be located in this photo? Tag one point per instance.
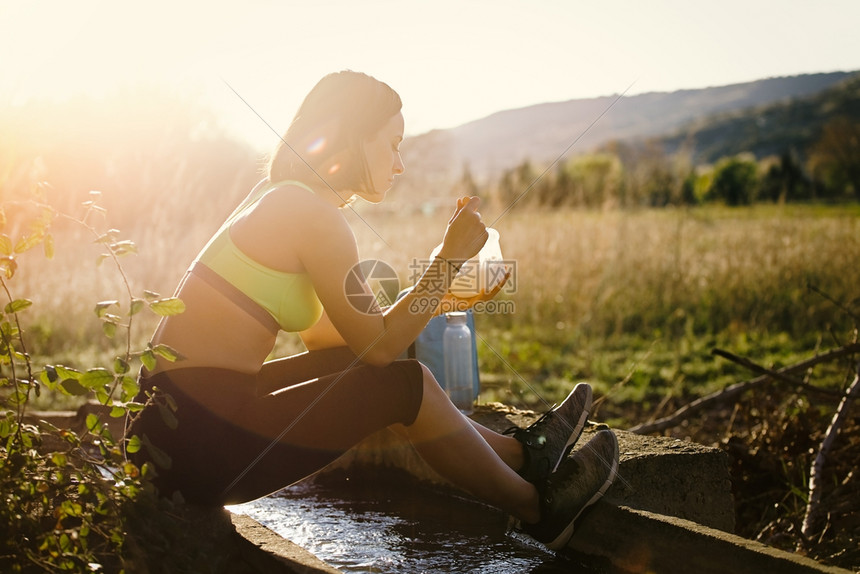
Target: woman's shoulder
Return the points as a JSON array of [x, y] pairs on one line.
[[295, 203]]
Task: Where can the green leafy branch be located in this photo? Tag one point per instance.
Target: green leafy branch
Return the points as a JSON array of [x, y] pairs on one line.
[[65, 491]]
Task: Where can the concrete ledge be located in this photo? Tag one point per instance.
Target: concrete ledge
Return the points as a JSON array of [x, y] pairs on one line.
[[637, 541], [266, 551], [664, 476]]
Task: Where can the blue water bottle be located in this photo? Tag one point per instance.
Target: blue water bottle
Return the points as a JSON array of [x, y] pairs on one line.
[[459, 361]]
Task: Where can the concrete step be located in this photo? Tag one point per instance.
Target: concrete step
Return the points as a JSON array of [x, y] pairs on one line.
[[664, 476]]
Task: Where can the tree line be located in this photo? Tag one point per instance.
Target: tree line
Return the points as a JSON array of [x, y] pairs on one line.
[[625, 175]]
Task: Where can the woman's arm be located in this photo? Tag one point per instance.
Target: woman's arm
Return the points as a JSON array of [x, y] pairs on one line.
[[330, 255], [322, 335], [293, 230]]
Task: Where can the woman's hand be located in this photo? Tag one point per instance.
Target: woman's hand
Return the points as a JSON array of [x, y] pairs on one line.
[[466, 233]]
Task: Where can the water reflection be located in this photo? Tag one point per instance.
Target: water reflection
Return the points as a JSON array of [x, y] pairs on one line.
[[388, 526]]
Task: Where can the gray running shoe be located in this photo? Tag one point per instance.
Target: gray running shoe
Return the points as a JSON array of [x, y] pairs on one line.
[[579, 483], [547, 441]]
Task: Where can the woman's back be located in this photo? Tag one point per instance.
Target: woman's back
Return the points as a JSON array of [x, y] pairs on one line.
[[224, 328]]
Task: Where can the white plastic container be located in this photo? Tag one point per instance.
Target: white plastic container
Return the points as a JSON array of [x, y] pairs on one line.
[[459, 362]]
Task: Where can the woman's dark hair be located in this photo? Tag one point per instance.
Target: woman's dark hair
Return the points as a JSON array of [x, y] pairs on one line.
[[327, 133]]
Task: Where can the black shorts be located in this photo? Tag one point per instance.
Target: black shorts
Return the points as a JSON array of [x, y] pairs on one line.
[[243, 436]]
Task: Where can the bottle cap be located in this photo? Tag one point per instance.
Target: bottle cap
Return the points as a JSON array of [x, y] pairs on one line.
[[455, 317]]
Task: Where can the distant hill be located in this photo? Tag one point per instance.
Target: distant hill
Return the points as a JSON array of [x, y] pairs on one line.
[[542, 132], [768, 129]]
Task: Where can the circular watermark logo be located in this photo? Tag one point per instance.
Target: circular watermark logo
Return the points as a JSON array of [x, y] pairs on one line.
[[382, 280]]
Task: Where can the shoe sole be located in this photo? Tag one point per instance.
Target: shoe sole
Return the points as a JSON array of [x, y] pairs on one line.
[[564, 537], [577, 430]]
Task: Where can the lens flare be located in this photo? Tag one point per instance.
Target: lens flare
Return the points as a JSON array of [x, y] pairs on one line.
[[317, 145]]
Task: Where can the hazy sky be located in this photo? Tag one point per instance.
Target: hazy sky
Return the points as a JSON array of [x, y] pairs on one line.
[[451, 60]]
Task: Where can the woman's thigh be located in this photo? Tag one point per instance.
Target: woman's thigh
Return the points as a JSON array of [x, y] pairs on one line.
[[296, 369], [298, 430], [260, 444]]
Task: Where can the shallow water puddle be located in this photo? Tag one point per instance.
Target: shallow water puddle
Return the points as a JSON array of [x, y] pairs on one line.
[[385, 527]]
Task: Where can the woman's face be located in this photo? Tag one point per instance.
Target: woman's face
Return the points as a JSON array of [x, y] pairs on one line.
[[382, 153]]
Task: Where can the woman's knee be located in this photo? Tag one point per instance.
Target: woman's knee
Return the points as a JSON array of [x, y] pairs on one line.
[[431, 385]]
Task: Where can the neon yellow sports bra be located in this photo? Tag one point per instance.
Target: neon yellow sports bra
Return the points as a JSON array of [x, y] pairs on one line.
[[289, 299]]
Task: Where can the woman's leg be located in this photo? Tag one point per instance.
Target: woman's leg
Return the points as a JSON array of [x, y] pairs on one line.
[[252, 447], [507, 447], [300, 427], [288, 371], [325, 416], [457, 450]]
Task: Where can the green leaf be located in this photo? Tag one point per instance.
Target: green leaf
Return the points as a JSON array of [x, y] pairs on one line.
[[102, 396], [130, 386], [97, 377], [167, 416], [59, 459], [148, 359], [67, 373], [171, 402], [17, 398], [103, 306], [73, 387], [8, 329], [109, 329], [158, 456], [137, 306], [151, 295], [71, 508], [8, 266], [107, 238], [123, 247], [134, 407], [5, 245], [167, 306], [117, 412], [49, 375], [167, 352], [17, 305], [66, 546], [92, 422], [5, 427], [28, 242], [120, 366], [45, 425], [133, 445], [107, 436], [148, 471]]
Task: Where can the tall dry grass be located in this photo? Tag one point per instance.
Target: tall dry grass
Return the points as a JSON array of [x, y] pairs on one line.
[[644, 296], [605, 273]]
